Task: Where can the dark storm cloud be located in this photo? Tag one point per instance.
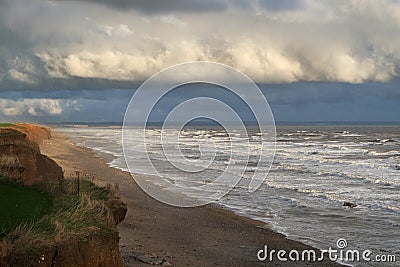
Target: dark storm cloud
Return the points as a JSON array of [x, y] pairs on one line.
[[66, 44], [88, 58], [317, 101], [157, 6]]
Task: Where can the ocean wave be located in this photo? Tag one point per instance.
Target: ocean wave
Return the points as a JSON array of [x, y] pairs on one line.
[[394, 153], [308, 181]]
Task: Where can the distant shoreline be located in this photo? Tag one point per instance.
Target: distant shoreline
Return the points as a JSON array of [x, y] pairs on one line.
[[277, 123]]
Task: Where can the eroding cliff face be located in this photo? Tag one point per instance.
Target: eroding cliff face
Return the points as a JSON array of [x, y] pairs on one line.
[[20, 158], [35, 133], [11, 136], [96, 251]]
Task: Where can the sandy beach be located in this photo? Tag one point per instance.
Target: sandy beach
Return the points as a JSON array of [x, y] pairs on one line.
[[155, 233]]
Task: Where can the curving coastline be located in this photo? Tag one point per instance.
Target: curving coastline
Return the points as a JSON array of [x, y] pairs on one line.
[[155, 233]]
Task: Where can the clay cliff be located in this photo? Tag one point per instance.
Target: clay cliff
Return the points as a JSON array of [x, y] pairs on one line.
[[95, 251], [20, 157], [36, 133]]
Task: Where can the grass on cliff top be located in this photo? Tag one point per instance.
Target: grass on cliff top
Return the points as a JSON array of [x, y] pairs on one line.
[[3, 125], [78, 209], [21, 204]]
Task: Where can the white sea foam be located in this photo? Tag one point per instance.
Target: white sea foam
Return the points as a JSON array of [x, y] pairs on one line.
[[313, 173]]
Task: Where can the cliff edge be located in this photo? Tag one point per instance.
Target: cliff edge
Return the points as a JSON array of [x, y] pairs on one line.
[[80, 228], [20, 158]]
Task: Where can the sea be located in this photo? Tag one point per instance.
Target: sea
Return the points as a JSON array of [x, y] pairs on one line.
[[315, 170]]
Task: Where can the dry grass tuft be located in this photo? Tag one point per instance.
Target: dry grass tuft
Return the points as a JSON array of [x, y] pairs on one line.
[[75, 214], [5, 248]]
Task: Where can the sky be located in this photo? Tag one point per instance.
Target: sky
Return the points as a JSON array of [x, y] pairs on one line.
[[71, 60]]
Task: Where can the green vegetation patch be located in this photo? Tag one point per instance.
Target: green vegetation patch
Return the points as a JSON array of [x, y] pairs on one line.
[[32, 220], [96, 192], [3, 125], [21, 204]]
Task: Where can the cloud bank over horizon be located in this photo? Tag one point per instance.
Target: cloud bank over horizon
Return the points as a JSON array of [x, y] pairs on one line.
[[34, 107], [81, 57], [47, 43]]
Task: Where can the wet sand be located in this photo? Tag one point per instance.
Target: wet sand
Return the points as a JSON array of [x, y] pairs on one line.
[[155, 233]]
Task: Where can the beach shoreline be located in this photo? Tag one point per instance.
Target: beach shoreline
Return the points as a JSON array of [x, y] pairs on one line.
[[153, 232]]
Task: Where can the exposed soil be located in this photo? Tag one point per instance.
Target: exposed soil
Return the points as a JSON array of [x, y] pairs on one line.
[[20, 158]]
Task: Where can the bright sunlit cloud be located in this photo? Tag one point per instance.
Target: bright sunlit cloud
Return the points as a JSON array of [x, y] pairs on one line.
[[94, 53], [271, 41]]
